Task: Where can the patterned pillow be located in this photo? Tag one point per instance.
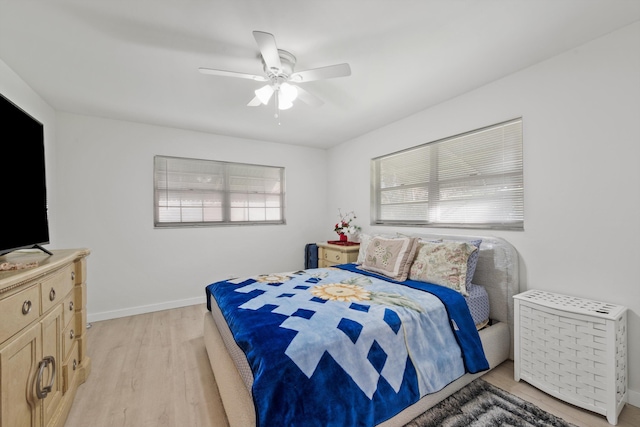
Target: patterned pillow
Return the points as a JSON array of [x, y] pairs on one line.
[[473, 259], [444, 264], [391, 257], [364, 240]]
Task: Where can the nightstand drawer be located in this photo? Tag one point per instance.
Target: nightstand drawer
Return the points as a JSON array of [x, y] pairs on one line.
[[330, 254], [335, 256]]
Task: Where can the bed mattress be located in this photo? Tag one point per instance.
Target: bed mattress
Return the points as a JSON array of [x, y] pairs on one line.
[[236, 353]]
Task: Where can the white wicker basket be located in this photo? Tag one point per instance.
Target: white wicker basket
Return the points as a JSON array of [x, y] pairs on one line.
[[574, 349]]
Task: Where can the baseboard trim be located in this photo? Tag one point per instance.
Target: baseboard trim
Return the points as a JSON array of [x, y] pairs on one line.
[[142, 309]]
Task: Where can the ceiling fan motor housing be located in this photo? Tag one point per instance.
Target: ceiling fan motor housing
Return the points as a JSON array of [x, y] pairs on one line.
[[287, 62]]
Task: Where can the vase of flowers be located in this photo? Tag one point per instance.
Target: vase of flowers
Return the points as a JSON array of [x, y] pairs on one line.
[[344, 226]]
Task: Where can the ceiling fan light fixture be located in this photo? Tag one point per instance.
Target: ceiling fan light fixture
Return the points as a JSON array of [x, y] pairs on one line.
[[284, 104], [288, 92], [264, 94]]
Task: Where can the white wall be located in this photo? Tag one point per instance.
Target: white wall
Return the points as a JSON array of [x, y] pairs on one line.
[[581, 112], [105, 187]]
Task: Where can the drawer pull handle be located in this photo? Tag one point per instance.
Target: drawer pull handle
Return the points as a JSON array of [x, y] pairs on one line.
[[52, 294], [44, 363], [71, 334], [26, 307], [70, 305], [337, 257], [75, 364], [73, 275]]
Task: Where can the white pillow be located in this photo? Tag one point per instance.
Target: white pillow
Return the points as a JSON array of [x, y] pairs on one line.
[[364, 242]]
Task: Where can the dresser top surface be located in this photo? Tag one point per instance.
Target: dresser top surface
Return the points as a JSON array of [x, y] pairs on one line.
[[45, 263]]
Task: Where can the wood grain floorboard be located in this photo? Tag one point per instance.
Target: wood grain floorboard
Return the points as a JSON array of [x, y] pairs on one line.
[[152, 370], [149, 370], [502, 377]]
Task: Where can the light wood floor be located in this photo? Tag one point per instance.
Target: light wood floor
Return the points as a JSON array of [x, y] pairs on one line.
[[152, 370]]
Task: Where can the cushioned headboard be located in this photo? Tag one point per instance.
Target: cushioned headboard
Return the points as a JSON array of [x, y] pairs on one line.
[[497, 271]]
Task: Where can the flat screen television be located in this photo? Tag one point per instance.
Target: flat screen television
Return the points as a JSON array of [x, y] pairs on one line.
[[23, 190]]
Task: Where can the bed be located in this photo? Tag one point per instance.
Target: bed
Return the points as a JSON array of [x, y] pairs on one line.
[[234, 362]]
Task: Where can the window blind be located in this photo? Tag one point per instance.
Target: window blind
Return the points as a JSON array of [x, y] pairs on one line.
[[196, 192], [472, 180]]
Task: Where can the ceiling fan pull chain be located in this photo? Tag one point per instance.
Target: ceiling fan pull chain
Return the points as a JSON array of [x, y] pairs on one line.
[[275, 106]]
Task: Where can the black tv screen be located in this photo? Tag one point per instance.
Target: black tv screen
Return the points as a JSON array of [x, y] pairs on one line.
[[23, 191]]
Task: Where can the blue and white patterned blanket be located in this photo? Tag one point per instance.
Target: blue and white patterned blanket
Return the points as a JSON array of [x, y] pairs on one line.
[[333, 347]]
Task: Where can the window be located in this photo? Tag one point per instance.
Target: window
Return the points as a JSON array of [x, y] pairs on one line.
[[473, 180], [194, 192]]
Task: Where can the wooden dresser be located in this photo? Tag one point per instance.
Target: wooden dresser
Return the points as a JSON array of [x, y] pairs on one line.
[[42, 337], [330, 255]]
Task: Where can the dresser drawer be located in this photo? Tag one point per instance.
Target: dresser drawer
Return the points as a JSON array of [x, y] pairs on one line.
[[69, 308], [70, 368], [68, 339], [18, 311], [56, 287]]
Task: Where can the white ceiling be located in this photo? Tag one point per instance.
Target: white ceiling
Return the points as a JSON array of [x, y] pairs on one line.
[[138, 60]]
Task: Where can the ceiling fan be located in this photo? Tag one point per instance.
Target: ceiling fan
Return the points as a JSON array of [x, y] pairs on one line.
[[282, 80]]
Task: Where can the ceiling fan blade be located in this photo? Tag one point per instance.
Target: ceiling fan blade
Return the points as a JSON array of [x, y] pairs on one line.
[[329, 72], [255, 102], [308, 98], [232, 74], [268, 49]]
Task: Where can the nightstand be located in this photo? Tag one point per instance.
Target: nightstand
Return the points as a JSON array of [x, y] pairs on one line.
[[572, 348], [329, 254]]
